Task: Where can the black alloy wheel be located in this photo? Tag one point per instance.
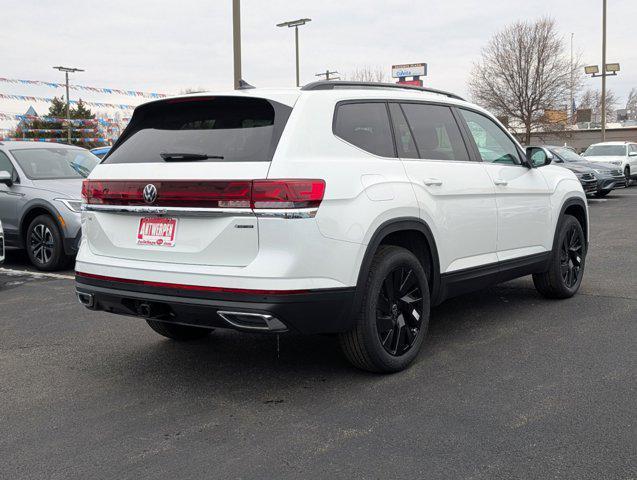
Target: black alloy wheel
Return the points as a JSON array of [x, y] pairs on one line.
[[399, 311], [571, 256]]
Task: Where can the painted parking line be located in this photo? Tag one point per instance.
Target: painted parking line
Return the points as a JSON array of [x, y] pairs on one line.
[[13, 272]]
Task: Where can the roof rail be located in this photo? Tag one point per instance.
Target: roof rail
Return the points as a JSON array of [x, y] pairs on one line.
[[336, 84]]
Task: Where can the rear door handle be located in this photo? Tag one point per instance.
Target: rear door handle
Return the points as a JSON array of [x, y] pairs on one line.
[[432, 181], [499, 181]]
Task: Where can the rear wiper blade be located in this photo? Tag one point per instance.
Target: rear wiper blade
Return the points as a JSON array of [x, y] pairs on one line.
[[187, 157]]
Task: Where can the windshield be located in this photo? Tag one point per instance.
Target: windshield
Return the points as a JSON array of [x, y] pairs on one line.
[[211, 129], [605, 151], [55, 163], [567, 155]]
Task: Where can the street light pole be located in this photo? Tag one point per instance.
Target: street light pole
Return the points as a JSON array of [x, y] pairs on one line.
[[66, 71], [604, 71], [236, 41], [296, 24], [572, 105]]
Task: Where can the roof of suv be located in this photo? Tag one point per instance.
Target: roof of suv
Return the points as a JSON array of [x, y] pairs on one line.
[[613, 143], [343, 91]]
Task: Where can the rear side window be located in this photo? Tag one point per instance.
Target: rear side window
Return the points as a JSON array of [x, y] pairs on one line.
[[213, 129], [436, 132], [365, 125]]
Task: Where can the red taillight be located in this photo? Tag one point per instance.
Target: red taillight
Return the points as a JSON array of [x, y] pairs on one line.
[[287, 193], [173, 193], [257, 194]]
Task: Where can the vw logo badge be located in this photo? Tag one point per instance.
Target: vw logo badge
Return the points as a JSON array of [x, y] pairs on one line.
[[150, 193]]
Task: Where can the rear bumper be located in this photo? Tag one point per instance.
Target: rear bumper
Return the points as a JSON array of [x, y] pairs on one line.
[[315, 311]]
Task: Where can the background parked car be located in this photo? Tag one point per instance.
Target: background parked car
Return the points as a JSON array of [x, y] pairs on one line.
[[620, 154], [40, 199], [100, 152], [584, 173], [608, 176], [1, 244]]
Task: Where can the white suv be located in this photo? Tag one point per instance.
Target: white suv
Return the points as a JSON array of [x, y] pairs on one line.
[[621, 154], [342, 207]]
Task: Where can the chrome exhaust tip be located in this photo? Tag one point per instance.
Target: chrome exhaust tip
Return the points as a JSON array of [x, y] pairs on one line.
[[253, 321], [86, 299]]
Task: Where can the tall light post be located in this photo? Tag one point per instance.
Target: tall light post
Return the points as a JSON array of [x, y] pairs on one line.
[[236, 41], [608, 69], [296, 24], [603, 70], [66, 71]]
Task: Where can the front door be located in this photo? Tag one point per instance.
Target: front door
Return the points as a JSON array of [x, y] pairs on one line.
[[8, 202], [522, 193]]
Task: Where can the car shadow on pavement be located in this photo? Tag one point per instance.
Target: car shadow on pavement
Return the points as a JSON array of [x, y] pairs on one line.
[[238, 361]]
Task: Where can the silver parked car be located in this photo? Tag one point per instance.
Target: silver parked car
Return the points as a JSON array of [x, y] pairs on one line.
[[40, 199]]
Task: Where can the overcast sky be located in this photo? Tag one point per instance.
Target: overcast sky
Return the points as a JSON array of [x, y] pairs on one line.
[[167, 46]]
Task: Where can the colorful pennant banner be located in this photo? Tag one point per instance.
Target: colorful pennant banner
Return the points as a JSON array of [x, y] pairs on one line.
[[59, 130], [113, 91], [29, 98], [55, 140], [74, 121]]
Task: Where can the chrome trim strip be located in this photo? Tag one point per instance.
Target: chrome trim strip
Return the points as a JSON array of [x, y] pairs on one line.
[[286, 213], [175, 211]]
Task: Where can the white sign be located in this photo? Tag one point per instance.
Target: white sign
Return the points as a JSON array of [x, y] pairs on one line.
[[409, 70]]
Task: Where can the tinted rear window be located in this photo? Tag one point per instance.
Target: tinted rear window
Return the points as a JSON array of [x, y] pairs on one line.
[[229, 129]]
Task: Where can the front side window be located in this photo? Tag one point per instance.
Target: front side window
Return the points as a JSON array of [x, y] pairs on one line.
[[605, 151], [494, 145], [365, 125], [5, 164], [436, 132], [55, 163]]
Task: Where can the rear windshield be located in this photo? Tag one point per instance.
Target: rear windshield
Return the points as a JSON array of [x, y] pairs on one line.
[[605, 150], [55, 163], [208, 129]]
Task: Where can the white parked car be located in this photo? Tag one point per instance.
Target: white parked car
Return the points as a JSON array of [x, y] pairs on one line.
[[342, 207], [620, 154]]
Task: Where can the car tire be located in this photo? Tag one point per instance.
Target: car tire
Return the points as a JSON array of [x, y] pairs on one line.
[[568, 260], [393, 315], [45, 245], [602, 193], [627, 175], [178, 332]]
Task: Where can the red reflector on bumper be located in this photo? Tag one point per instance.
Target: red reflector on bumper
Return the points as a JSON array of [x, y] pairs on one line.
[[178, 286]]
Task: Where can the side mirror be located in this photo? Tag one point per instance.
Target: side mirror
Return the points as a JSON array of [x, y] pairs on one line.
[[6, 178], [632, 154], [538, 156]]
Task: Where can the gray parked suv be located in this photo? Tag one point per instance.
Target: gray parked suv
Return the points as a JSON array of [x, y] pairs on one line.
[[40, 199]]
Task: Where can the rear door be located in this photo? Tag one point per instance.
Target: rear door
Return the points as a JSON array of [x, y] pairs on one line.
[[455, 195], [9, 198], [176, 186], [522, 193]]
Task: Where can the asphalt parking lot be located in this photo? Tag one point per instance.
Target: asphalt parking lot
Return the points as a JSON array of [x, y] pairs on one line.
[[508, 385]]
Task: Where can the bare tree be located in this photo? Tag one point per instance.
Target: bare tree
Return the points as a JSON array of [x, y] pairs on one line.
[[593, 99], [631, 103], [523, 72], [367, 74]]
